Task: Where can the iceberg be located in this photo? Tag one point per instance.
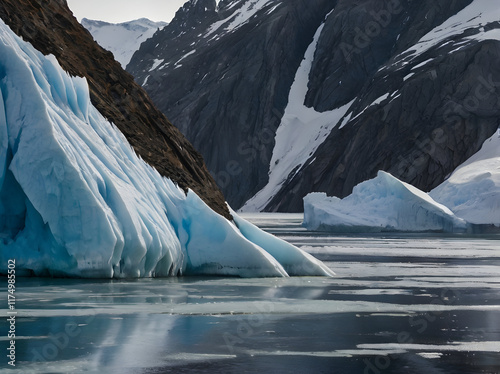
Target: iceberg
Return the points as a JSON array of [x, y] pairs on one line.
[[472, 192], [381, 204], [75, 199]]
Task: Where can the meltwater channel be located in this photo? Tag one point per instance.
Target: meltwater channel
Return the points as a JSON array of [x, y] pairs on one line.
[[400, 303]]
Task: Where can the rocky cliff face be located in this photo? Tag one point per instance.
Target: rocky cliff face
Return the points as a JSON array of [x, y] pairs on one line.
[[51, 28], [405, 86]]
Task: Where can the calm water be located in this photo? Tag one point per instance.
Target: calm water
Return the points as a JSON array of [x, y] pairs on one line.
[[399, 304]]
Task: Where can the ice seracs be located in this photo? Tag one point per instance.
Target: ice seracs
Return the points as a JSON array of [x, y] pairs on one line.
[[380, 204], [75, 199]]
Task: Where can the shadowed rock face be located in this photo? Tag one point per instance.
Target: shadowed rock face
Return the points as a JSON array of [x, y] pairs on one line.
[[416, 113], [51, 28]]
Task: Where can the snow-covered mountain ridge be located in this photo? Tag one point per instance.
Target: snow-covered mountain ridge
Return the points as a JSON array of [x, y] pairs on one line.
[[301, 97], [122, 39]]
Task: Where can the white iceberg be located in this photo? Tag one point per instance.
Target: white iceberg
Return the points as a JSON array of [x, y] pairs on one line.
[[472, 192], [380, 204], [75, 200]]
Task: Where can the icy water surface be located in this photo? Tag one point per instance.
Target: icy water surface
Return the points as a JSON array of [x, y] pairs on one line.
[[399, 304]]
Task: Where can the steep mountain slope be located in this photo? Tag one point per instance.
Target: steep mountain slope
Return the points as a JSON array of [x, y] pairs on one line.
[[122, 39], [286, 98], [52, 29], [223, 73]]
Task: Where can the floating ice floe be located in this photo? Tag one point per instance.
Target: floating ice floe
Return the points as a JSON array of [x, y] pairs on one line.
[[75, 200]]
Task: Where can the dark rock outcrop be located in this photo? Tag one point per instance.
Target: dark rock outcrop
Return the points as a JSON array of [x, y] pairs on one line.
[[51, 28]]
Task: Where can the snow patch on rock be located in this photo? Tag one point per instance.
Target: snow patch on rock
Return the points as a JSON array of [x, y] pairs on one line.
[[301, 132]]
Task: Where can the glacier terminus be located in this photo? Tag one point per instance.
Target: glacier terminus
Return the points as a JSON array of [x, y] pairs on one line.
[[75, 199]]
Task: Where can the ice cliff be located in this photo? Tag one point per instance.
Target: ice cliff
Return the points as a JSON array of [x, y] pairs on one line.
[[76, 200]]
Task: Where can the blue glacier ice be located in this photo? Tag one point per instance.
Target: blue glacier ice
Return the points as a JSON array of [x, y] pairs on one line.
[[75, 199]]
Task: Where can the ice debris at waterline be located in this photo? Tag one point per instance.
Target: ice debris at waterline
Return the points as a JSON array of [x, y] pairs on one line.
[[381, 204], [75, 200]]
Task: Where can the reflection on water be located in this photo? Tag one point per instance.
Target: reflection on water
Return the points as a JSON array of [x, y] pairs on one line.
[[399, 304]]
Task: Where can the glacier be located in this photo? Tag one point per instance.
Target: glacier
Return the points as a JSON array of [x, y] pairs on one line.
[[381, 204], [76, 200], [469, 199]]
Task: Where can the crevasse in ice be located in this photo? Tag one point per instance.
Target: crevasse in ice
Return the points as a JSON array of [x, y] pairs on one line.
[[75, 200]]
